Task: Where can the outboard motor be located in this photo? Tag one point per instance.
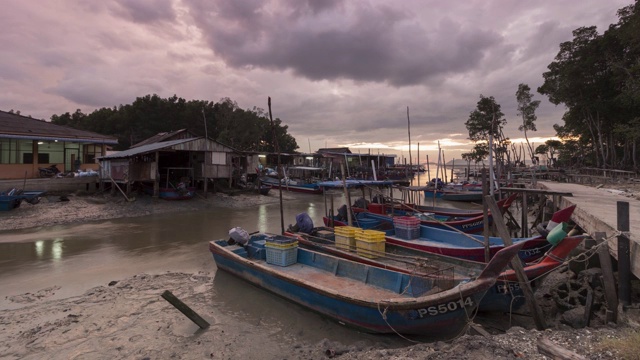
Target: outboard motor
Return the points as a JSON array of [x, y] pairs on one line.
[[239, 236], [304, 223]]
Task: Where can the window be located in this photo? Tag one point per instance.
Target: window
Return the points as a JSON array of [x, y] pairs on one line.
[[12, 151], [218, 158], [90, 152], [27, 158]]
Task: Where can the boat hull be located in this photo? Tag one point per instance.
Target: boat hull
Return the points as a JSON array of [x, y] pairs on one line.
[[505, 296], [443, 315], [298, 188], [173, 194]]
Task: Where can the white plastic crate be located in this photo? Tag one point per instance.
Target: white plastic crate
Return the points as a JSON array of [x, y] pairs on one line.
[[282, 256]]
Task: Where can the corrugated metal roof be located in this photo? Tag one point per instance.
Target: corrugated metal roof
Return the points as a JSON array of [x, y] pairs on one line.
[[162, 137], [14, 126], [146, 149]]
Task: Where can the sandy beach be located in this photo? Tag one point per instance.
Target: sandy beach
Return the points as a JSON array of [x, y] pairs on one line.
[[127, 318]]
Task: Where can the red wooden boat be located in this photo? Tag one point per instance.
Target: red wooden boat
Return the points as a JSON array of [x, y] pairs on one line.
[[469, 246]]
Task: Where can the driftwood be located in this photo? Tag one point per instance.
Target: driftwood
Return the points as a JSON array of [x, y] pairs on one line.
[[546, 347], [186, 310]]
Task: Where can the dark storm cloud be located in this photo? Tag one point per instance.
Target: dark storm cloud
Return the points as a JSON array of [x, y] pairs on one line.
[[373, 43], [146, 11]]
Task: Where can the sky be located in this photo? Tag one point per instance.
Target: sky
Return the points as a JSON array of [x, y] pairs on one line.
[[339, 73]]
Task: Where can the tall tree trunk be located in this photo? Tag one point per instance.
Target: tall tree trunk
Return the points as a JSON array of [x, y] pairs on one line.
[[633, 154], [594, 142]]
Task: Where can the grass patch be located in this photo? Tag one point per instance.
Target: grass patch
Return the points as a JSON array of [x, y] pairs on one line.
[[626, 347]]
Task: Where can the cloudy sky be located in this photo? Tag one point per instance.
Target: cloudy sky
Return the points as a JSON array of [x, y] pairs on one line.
[[339, 73]]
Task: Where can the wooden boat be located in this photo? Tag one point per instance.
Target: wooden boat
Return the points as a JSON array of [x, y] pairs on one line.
[[264, 189], [302, 179], [505, 296], [366, 297], [402, 209], [470, 246], [172, 193], [12, 198], [463, 195], [471, 224], [369, 220]]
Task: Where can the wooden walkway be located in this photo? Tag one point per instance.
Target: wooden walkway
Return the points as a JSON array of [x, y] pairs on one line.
[[596, 211]]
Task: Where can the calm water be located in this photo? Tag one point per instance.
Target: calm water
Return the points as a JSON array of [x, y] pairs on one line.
[[78, 257]]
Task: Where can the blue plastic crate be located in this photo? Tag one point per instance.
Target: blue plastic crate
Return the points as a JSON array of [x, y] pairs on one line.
[[407, 232], [282, 256], [280, 240]]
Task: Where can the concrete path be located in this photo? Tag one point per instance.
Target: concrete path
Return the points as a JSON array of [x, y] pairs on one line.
[[596, 211]]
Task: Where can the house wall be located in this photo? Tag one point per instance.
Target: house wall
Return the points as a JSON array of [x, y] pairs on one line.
[[18, 171], [143, 171]]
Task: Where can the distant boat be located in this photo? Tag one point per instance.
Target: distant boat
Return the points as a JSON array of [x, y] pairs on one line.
[[172, 193], [300, 179], [264, 189], [462, 195], [12, 198], [362, 296]]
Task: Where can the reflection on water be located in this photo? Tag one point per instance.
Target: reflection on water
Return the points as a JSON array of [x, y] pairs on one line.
[[77, 257]]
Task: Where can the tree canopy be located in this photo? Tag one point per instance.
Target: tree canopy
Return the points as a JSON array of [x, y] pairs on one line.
[[597, 78], [226, 122]]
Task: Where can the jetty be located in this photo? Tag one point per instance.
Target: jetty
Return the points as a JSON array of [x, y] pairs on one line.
[[596, 211]]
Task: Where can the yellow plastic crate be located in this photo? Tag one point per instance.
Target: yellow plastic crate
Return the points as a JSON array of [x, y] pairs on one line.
[[370, 249], [345, 242], [370, 235], [281, 246], [346, 231]]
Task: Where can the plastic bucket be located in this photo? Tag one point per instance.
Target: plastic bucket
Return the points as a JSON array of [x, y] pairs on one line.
[[557, 233]]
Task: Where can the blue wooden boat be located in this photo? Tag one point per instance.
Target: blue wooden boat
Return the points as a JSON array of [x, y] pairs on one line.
[[362, 296], [172, 193], [12, 199], [505, 296], [302, 179]]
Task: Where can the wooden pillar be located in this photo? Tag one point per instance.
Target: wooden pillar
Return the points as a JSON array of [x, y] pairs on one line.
[[525, 213], [485, 217], [516, 263], [156, 183], [624, 254], [607, 278]]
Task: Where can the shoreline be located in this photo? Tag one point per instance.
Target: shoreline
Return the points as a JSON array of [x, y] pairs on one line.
[[52, 211]]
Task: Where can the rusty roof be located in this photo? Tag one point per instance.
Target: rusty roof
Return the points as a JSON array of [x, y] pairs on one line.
[[145, 149], [14, 126], [165, 136]]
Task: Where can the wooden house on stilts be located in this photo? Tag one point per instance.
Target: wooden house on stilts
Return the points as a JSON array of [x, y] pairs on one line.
[[169, 158]]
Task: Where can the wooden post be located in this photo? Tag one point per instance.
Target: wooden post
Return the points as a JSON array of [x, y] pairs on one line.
[[588, 308], [156, 183], [346, 196], [525, 214], [186, 310], [624, 259], [516, 263], [485, 218], [608, 279]]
